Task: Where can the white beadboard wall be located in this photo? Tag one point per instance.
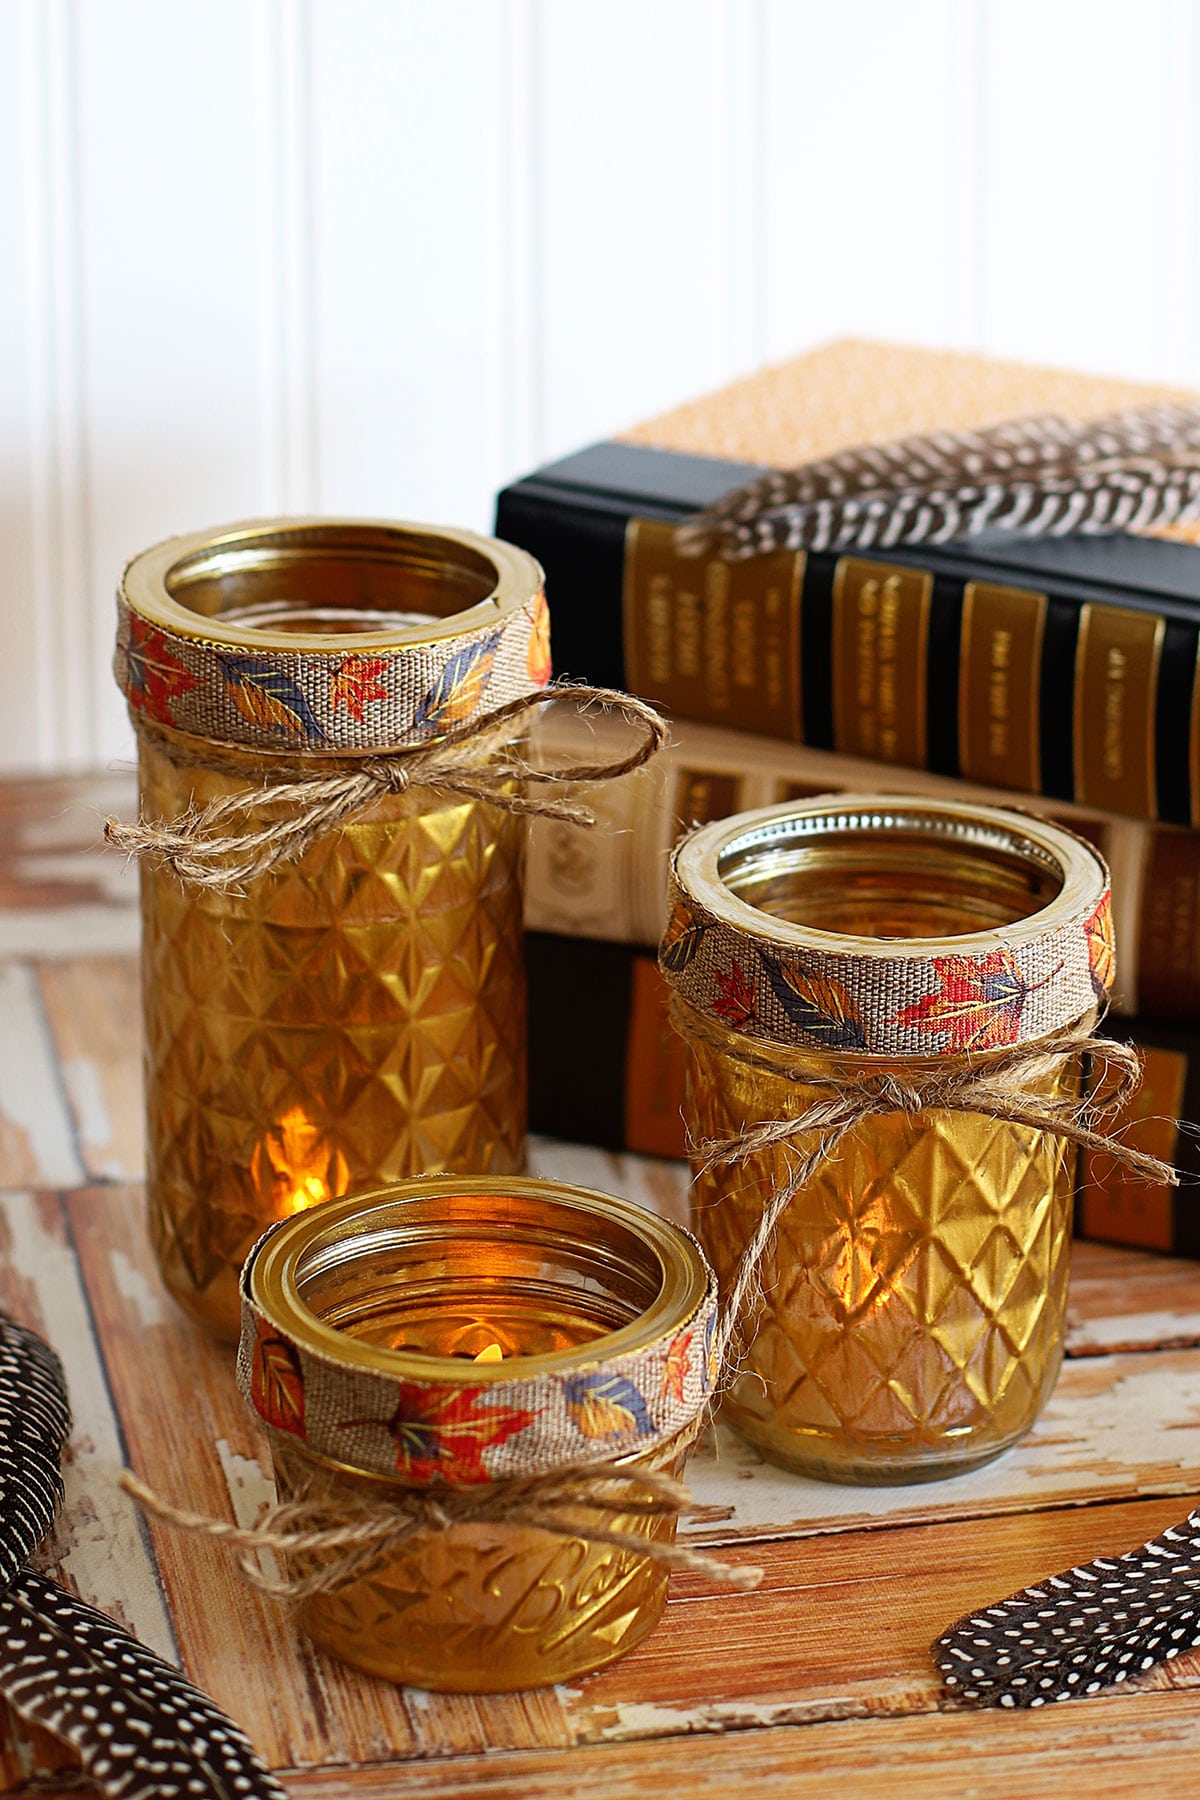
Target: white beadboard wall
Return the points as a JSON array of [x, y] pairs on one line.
[[378, 256]]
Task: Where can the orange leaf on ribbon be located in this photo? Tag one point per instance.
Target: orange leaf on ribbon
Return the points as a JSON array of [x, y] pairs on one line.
[[440, 1433], [977, 1003], [277, 1383], [1102, 949]]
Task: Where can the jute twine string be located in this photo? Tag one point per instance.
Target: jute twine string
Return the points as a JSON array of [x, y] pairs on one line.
[[1005, 1087], [481, 760], [338, 1542]]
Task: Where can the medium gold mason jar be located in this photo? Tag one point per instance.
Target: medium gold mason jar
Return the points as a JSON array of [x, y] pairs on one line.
[[356, 1013], [440, 1336], [907, 1320]]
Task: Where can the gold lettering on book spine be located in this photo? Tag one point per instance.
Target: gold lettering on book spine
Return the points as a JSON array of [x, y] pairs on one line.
[[1116, 688], [880, 640], [713, 640], [999, 685]]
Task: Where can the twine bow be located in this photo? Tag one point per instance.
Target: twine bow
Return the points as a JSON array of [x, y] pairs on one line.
[[211, 847], [334, 1543], [1006, 1087]]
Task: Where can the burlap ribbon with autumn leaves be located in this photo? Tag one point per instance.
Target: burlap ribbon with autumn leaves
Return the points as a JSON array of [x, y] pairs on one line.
[[336, 732]]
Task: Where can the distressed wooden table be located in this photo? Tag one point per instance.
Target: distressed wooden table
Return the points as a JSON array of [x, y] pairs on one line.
[[821, 1679]]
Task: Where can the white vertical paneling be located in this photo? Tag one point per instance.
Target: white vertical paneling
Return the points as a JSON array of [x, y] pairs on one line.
[[866, 135], [60, 652], [383, 255], [285, 276], [169, 102], [1081, 205], [22, 742], [736, 189], [641, 181], [401, 159], [513, 367]]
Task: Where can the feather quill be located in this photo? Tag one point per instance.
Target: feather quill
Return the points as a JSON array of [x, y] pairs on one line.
[[1041, 476]]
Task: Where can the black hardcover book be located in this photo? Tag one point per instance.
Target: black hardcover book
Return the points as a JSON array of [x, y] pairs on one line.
[[1059, 666]]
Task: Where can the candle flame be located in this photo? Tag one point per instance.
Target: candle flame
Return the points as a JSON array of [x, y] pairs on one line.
[[298, 1164], [490, 1353]]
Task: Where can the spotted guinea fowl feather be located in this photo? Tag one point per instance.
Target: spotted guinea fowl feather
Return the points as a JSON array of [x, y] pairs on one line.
[[1038, 476], [1083, 1630], [35, 1422], [142, 1731]]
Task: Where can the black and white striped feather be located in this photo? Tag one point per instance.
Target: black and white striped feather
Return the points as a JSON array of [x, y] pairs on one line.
[[141, 1730], [1083, 1630], [1042, 477], [35, 1422]]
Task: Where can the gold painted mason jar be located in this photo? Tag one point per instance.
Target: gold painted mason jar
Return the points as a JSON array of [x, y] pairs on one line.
[[440, 1336], [907, 1320], [356, 1013]]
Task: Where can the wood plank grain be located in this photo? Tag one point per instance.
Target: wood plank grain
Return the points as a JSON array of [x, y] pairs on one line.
[[1100, 1749], [95, 1019], [60, 890], [190, 1436], [842, 1625], [1128, 1300]]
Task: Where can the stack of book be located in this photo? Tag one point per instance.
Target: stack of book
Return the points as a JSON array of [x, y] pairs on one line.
[[1059, 675]]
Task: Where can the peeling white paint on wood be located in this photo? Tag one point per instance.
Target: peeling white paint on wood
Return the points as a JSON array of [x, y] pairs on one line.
[[99, 1542], [145, 1299], [249, 1491], [35, 1128], [86, 1093], [1115, 1428], [1136, 1331]]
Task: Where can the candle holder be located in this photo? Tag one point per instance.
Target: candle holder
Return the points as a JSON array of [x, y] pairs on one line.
[[357, 1013], [906, 1321], [441, 1336]]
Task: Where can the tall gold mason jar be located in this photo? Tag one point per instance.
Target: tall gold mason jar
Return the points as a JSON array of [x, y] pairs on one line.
[[357, 1013], [441, 1336], [907, 1322]]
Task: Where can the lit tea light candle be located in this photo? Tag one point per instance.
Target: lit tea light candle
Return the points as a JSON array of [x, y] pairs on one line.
[[294, 1166], [456, 1332]]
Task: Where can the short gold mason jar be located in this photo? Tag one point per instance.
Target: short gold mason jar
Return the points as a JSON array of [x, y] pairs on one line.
[[907, 1319], [356, 1013], [441, 1335]]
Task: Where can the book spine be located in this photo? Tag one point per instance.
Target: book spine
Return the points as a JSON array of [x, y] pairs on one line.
[[910, 659], [610, 883], [625, 1089]]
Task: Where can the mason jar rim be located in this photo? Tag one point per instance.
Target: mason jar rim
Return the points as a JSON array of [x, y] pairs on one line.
[[276, 1267], [701, 860], [149, 580]]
